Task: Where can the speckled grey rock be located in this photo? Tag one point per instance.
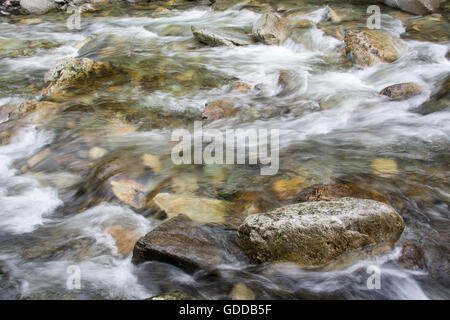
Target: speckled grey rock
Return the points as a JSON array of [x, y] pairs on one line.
[[218, 37], [38, 6], [270, 29], [315, 233], [420, 7]]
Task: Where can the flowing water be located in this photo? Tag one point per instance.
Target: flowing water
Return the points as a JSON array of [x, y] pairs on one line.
[[55, 210]]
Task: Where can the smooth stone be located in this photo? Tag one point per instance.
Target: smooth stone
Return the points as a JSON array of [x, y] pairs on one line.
[[219, 37], [401, 91]]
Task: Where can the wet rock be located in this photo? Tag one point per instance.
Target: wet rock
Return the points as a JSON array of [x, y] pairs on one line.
[[189, 245], [215, 110], [184, 183], [287, 189], [439, 100], [331, 192], [37, 110], [401, 91], [202, 210], [38, 158], [270, 29], [412, 257], [5, 137], [420, 7], [71, 71], [241, 86], [370, 47], [430, 28], [173, 295], [241, 292], [97, 153], [288, 81], [125, 239], [128, 191], [219, 37], [152, 162], [299, 108], [316, 233], [38, 6], [384, 167]]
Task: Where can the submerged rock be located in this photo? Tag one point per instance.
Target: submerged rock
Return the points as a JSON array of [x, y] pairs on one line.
[[202, 210], [440, 99], [129, 192], [270, 29], [241, 292], [215, 110], [36, 110], [125, 239], [412, 257], [218, 37], [401, 91], [316, 233], [331, 192], [288, 188], [420, 7], [188, 245], [384, 167], [71, 71], [370, 47]]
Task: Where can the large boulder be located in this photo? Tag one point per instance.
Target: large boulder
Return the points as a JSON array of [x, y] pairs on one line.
[[189, 245], [218, 37], [401, 91], [370, 47], [420, 7], [270, 29], [38, 6], [72, 71], [316, 233]]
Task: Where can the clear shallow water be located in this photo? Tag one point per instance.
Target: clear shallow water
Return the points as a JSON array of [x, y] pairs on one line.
[[56, 214]]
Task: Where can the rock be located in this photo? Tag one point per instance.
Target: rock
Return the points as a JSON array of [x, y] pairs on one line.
[[370, 47], [202, 210], [385, 168], [287, 189], [241, 292], [152, 162], [432, 28], [316, 233], [174, 294], [38, 6], [240, 86], [71, 71], [331, 192], [270, 29], [215, 110], [97, 153], [128, 192], [420, 7], [37, 110], [189, 245], [412, 257], [184, 183], [401, 91], [439, 100], [288, 81], [5, 137], [125, 239], [38, 158], [219, 37]]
